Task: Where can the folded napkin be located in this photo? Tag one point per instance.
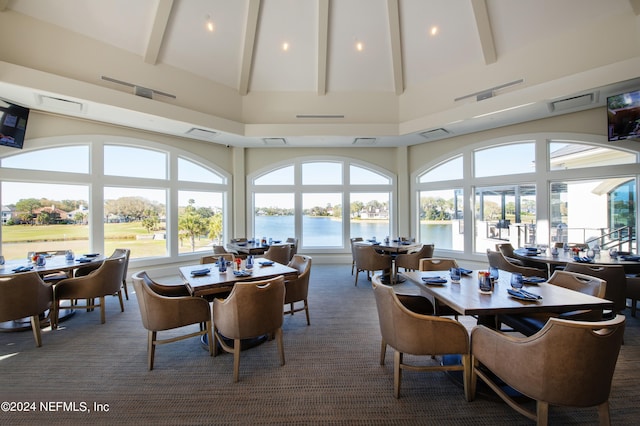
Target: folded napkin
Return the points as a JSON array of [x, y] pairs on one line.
[[242, 273], [632, 275], [84, 260], [377, 243], [465, 271], [267, 263], [22, 269], [276, 242], [582, 259], [200, 271], [522, 294], [406, 243], [91, 254], [434, 280], [241, 244], [533, 280], [630, 257]]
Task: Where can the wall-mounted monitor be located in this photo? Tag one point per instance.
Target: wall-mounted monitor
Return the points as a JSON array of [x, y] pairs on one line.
[[13, 124], [623, 116]]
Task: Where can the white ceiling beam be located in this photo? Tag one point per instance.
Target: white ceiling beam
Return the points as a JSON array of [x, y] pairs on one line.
[[323, 42], [163, 11], [485, 32], [396, 46], [635, 4], [253, 15]]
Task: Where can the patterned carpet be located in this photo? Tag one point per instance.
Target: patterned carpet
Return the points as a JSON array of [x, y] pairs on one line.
[[331, 376]]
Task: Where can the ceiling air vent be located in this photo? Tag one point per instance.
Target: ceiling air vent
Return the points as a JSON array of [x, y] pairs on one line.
[[364, 141], [435, 133], [59, 104], [572, 103], [274, 141], [203, 134]]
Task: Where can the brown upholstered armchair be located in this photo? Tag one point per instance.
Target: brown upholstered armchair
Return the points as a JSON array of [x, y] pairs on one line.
[[411, 261], [533, 322], [278, 253], [508, 252], [498, 260], [408, 332], [160, 313], [614, 275], [296, 290], [369, 260], [252, 309], [567, 363], [230, 257], [25, 295], [104, 281]]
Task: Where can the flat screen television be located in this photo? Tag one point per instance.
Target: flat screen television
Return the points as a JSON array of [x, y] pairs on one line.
[[13, 124], [623, 116]]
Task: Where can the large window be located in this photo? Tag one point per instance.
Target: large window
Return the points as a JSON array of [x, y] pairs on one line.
[[537, 191], [109, 192], [323, 202]]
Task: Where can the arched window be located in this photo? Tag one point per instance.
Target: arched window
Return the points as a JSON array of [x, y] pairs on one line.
[[307, 199], [98, 193], [532, 191]]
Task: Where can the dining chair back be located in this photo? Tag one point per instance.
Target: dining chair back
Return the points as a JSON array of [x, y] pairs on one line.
[[104, 281], [217, 249], [297, 289], [353, 255], [568, 363], [437, 264], [252, 309], [25, 295], [411, 333], [633, 292], [278, 253], [127, 254], [497, 260], [160, 313], [411, 261], [614, 275], [293, 246], [229, 257], [369, 260]]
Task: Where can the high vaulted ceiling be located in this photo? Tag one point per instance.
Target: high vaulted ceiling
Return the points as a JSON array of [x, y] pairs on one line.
[[317, 72]]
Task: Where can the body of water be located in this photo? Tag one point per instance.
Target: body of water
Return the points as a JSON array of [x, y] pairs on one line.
[[327, 232]]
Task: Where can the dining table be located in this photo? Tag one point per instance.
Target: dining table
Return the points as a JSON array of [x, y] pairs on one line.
[[53, 264], [466, 298], [392, 248], [631, 263], [206, 280]]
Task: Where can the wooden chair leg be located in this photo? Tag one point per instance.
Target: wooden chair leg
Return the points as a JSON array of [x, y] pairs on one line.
[[383, 351], [603, 414], [236, 359], [306, 310], [103, 317], [542, 413], [126, 292], [119, 294], [35, 326], [151, 348], [397, 373]]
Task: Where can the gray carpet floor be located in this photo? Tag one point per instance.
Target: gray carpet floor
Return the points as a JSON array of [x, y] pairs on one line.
[[88, 373]]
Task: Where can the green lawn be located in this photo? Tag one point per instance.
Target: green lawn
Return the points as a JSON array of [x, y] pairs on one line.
[[17, 240]]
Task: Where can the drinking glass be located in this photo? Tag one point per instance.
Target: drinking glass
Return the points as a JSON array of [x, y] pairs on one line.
[[1, 260], [494, 274], [454, 273], [516, 280], [30, 257], [249, 264]]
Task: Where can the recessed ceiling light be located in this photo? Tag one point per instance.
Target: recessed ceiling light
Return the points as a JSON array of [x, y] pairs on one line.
[[285, 46], [359, 46], [434, 30], [209, 24]]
